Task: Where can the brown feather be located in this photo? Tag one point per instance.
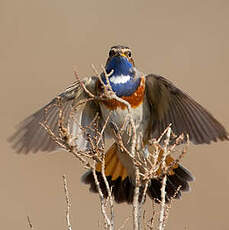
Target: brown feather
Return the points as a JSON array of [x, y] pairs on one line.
[[30, 136], [169, 104]]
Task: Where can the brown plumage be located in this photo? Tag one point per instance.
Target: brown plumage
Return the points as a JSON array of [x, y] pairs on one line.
[[169, 104]]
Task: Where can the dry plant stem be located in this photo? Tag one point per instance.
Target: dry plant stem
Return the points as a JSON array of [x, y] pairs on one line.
[[163, 205], [136, 215], [69, 226], [104, 177], [111, 95], [63, 140], [74, 151], [96, 153], [158, 148], [136, 209], [103, 129], [163, 192], [30, 223], [169, 205], [109, 194], [144, 192], [108, 224], [150, 225], [83, 86]]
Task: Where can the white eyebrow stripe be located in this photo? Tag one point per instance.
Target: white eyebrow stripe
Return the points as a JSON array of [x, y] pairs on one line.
[[121, 79]]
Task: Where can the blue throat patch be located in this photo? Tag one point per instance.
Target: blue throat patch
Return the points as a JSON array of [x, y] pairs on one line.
[[121, 66]]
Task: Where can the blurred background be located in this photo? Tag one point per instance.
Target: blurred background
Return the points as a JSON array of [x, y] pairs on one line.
[[42, 42]]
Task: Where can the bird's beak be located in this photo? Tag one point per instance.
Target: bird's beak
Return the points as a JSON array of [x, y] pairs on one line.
[[121, 55]]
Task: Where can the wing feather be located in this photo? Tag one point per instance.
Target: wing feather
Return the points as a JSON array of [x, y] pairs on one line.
[[30, 136], [170, 105]]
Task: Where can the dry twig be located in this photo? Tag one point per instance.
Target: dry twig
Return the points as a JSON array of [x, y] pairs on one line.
[[29, 222], [149, 166], [163, 192], [67, 203]]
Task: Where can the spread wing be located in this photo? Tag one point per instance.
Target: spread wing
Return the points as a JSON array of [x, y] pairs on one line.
[[30, 136], [170, 105]]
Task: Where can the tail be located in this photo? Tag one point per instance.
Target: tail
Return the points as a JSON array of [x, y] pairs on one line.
[[123, 189]]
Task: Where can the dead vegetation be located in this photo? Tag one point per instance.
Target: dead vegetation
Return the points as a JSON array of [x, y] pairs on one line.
[[89, 157]]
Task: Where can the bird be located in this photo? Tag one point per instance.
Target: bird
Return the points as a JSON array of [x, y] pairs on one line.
[[155, 103]]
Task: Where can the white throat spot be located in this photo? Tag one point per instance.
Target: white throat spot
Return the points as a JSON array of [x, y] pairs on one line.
[[121, 79]]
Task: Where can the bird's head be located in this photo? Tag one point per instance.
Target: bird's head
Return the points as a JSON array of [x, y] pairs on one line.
[[120, 61], [123, 78]]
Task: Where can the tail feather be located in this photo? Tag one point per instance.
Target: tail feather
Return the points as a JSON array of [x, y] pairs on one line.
[[123, 189], [154, 190], [171, 190], [184, 173], [179, 179]]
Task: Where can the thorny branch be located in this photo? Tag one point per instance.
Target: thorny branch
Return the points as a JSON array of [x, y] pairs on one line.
[[149, 166]]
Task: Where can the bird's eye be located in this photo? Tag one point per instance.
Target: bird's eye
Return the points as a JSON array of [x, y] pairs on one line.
[[111, 53], [128, 53]]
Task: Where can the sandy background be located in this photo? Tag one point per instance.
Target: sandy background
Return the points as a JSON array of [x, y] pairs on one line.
[[40, 44]]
